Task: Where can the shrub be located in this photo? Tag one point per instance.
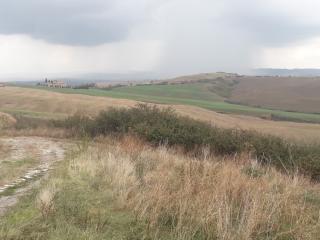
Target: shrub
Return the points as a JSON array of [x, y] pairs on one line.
[[77, 124], [164, 126]]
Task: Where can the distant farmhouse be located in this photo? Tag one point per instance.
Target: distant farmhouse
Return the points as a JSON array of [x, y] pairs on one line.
[[53, 84]]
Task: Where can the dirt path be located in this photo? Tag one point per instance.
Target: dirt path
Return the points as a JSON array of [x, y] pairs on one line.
[[47, 151]]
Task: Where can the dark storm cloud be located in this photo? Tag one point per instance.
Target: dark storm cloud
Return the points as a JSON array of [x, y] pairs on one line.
[[184, 36], [71, 22], [93, 22]]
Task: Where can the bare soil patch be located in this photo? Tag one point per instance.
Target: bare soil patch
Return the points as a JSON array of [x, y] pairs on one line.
[[299, 94]]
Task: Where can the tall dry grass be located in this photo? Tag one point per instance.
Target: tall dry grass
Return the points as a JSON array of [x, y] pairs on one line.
[[45, 200], [203, 198], [6, 120], [39, 132]]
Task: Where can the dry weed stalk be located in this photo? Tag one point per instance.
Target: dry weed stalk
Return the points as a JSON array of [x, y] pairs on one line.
[[45, 200], [207, 198]]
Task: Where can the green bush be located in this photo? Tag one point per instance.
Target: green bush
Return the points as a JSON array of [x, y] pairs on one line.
[[164, 126]]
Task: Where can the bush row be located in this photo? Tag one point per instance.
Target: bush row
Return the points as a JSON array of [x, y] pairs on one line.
[[164, 126]]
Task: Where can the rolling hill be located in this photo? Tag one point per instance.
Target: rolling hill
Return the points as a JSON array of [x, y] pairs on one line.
[[48, 104], [300, 94], [290, 99]]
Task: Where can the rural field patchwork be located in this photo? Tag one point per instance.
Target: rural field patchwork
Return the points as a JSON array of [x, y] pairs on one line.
[[222, 95], [118, 170], [49, 104]]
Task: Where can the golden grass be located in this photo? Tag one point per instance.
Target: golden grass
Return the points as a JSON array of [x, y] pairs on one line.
[[4, 151], [203, 198], [45, 102], [6, 120], [45, 200], [291, 130], [39, 101], [39, 132]]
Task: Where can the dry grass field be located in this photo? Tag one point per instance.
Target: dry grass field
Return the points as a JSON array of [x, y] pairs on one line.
[[35, 102], [50, 104], [297, 131], [286, 93], [127, 190]]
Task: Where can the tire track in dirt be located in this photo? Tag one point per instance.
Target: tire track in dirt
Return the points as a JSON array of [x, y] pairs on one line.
[[47, 151]]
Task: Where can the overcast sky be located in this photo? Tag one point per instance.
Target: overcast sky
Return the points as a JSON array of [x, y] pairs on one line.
[[40, 38]]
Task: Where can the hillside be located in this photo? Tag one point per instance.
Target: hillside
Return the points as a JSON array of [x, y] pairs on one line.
[[149, 173], [209, 93], [48, 104], [200, 77], [299, 94], [296, 72]]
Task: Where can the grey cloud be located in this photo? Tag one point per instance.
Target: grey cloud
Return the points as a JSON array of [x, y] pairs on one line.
[[194, 35], [227, 35], [93, 22], [270, 28], [67, 22]]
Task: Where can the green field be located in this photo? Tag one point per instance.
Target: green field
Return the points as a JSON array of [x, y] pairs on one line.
[[205, 95]]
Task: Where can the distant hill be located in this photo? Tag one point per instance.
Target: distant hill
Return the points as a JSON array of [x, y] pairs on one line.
[[289, 93], [264, 96], [200, 77], [296, 72]]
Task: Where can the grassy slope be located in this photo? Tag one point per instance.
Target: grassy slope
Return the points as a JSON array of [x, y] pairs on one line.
[[34, 102], [33, 114], [82, 213], [119, 191], [83, 207], [196, 94]]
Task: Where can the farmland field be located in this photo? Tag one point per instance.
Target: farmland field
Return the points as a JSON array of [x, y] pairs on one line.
[[299, 94], [49, 104], [202, 95]]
